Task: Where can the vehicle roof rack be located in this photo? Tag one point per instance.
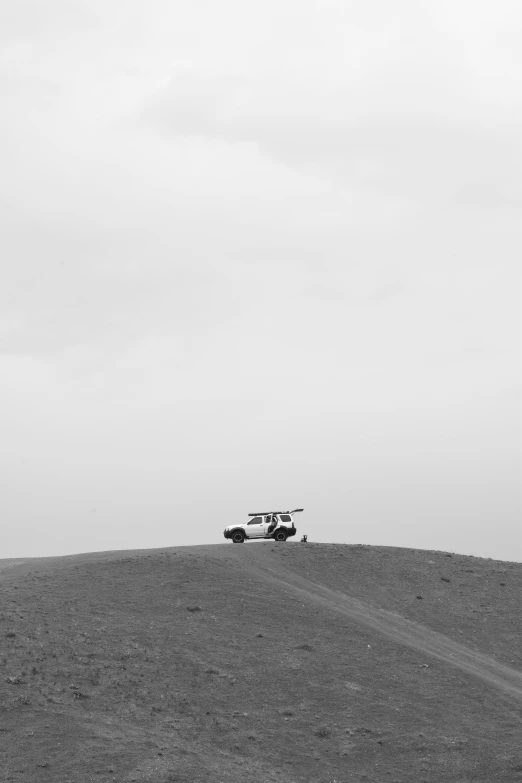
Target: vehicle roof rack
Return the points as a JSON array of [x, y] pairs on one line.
[[266, 513]]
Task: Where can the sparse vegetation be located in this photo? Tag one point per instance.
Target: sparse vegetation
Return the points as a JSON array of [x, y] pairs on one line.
[[322, 731], [117, 656]]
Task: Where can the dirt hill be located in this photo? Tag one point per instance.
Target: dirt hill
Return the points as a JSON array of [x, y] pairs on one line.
[[261, 662]]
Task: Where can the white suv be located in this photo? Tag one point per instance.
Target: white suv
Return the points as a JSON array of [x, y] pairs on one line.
[[275, 525]]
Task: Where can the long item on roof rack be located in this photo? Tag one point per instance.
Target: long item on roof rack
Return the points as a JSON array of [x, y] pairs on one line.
[[264, 513]]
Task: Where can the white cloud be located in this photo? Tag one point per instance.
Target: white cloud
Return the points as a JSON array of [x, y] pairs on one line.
[[227, 226]]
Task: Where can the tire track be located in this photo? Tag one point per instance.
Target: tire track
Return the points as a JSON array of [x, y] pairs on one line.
[[405, 632]]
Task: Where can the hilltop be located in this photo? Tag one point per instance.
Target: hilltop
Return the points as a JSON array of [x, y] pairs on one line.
[[261, 662]]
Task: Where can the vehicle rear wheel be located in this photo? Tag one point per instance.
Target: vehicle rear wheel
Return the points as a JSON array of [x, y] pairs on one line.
[[238, 537], [280, 535]]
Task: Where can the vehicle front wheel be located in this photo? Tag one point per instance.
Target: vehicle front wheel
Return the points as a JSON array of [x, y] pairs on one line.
[[238, 537], [280, 535]]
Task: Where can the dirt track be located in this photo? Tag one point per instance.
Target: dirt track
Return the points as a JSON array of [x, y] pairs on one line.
[[413, 635], [183, 663], [252, 558]]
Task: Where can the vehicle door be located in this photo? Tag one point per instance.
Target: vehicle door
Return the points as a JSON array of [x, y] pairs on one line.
[[272, 521], [255, 527]]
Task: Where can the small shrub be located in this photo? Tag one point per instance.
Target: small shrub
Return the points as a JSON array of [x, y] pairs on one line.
[[322, 731]]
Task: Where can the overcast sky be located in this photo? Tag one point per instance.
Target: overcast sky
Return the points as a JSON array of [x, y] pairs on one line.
[[257, 255]]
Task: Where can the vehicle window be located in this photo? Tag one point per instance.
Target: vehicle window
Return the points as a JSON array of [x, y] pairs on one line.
[[255, 521], [285, 518]]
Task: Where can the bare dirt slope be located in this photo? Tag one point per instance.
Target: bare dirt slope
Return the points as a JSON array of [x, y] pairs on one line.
[[261, 662]]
